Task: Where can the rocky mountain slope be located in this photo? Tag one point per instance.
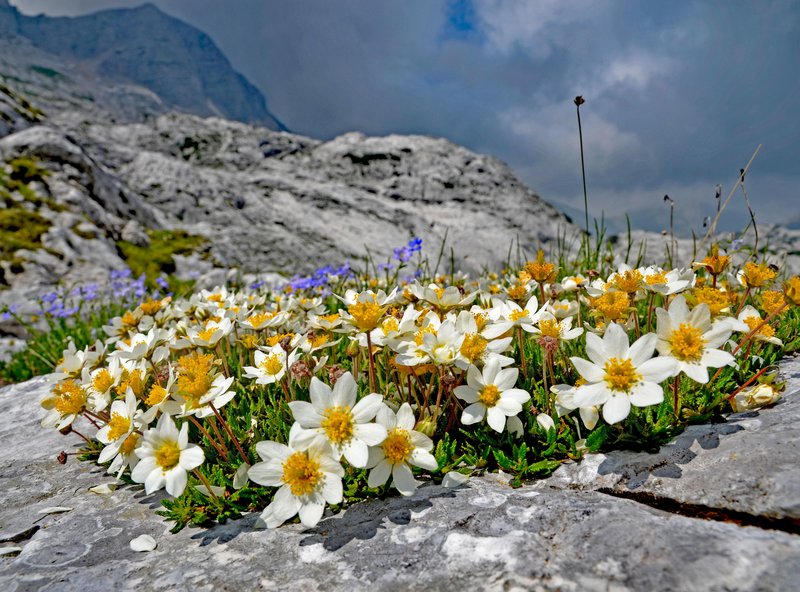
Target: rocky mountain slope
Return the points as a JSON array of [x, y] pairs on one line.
[[163, 62]]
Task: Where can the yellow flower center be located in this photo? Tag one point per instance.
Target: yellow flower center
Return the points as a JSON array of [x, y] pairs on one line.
[[157, 394], [276, 339], [301, 473], [129, 443], [331, 318], [167, 455], [439, 292], [397, 447], [540, 270], [716, 263], [215, 298], [791, 289], [658, 277], [550, 328], [366, 314], [102, 381], [518, 314], [754, 322], [250, 341], [620, 374], [259, 318], [757, 275], [473, 347], [150, 307], [772, 301], [612, 305], [129, 319], [131, 380], [629, 281], [687, 343], [319, 340], [194, 378], [419, 336], [272, 364], [338, 424], [716, 300], [481, 318], [489, 395], [517, 292], [207, 334], [390, 325], [70, 398], [119, 425]]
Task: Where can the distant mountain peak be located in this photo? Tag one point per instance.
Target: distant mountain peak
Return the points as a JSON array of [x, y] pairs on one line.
[[145, 47]]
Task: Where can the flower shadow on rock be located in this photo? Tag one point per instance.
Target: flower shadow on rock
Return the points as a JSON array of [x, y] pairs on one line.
[[363, 520], [634, 468]]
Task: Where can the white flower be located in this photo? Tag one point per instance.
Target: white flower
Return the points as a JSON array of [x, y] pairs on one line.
[[491, 394], [270, 367], [755, 397], [565, 403], [307, 480], [211, 334], [691, 338], [667, 282], [402, 448], [618, 375], [508, 315], [121, 424], [750, 319], [333, 416], [165, 456]]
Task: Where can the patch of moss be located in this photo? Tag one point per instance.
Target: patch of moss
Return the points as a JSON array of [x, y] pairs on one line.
[[24, 171], [20, 229], [157, 259]]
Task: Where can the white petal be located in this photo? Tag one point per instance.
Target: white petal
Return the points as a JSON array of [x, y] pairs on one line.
[[616, 408], [305, 414], [587, 395], [311, 512], [366, 409], [473, 413], [424, 460], [642, 349], [506, 379], [345, 391], [267, 449], [589, 415], [658, 369], [545, 421], [143, 543], [595, 350], [155, 481], [370, 433], [356, 453], [403, 479], [379, 474], [474, 378], [266, 473], [646, 393], [466, 393], [716, 358], [496, 419], [453, 479], [191, 457], [615, 341], [517, 395], [240, 478], [696, 372], [320, 394], [405, 417], [589, 371], [332, 490], [176, 481]]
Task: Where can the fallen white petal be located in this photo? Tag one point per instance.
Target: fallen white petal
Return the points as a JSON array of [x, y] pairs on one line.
[[55, 510], [103, 489], [143, 542], [9, 550], [240, 479], [218, 491], [453, 479]]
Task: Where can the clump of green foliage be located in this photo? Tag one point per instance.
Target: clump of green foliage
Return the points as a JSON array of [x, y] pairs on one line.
[[157, 259]]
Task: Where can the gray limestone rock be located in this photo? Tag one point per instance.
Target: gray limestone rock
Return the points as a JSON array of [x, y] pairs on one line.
[[552, 535], [746, 467]]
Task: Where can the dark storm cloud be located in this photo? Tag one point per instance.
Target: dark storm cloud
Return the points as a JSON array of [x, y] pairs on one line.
[[678, 94]]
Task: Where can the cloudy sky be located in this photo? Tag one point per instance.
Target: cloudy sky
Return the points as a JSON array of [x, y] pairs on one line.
[[678, 94]]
